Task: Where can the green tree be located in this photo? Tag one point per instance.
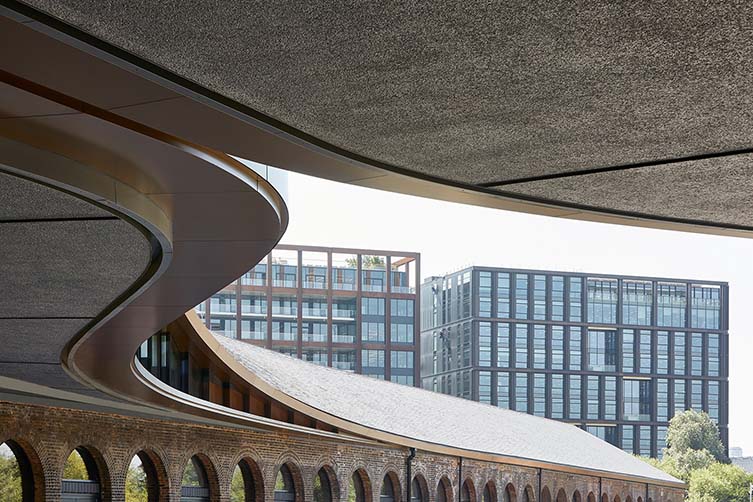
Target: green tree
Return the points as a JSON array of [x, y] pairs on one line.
[[75, 468], [367, 262], [237, 486], [694, 430], [719, 483], [136, 489], [10, 477]]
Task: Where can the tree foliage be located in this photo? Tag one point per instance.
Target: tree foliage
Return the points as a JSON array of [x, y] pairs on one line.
[[694, 431], [75, 468], [136, 488], [237, 486], [10, 478], [719, 483]]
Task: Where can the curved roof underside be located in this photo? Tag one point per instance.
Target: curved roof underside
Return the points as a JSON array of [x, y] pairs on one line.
[[439, 419], [639, 108]]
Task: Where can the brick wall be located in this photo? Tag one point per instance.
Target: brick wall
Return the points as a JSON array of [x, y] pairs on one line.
[[47, 435]]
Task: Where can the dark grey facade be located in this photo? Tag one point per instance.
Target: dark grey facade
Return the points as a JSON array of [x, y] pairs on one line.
[[352, 309], [616, 355]]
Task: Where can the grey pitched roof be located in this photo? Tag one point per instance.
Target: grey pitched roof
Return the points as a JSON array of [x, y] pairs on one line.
[[436, 418]]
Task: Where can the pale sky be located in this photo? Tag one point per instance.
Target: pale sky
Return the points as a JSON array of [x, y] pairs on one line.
[[450, 236]]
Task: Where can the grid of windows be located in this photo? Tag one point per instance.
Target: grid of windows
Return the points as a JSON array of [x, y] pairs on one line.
[[557, 362], [705, 307]]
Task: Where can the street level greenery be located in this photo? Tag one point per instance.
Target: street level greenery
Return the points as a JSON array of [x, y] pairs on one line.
[[695, 454]]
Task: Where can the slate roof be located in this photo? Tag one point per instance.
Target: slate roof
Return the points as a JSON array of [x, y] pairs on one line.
[[436, 418]]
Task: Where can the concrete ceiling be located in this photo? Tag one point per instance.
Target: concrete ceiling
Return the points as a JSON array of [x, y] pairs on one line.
[[528, 98]]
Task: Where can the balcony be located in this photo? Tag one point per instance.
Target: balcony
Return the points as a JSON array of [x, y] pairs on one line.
[[223, 308], [254, 309], [253, 281], [320, 284], [344, 286], [343, 313], [315, 312], [284, 283], [284, 311]]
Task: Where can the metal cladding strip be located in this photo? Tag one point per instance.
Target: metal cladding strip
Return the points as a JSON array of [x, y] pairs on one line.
[[164, 213], [206, 117]]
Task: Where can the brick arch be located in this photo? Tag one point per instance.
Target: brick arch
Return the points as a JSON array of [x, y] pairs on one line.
[[423, 485], [577, 497], [96, 468], [561, 496], [362, 475], [591, 497], [444, 487], [157, 478], [334, 483], [528, 494], [491, 488], [510, 494], [546, 495], [604, 497], [292, 464], [470, 488], [252, 477], [639, 499], [617, 498], [210, 471], [628, 499], [32, 471], [391, 476]]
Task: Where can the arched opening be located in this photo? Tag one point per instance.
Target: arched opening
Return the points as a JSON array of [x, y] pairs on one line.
[[20, 473], [604, 497], [146, 479], [528, 495], [628, 499], [510, 495], [490, 492], [390, 488], [323, 486], [546, 496], [84, 476], [444, 490], [591, 497], [246, 484], [285, 485], [576, 496], [617, 498], [468, 492], [196, 485], [359, 487], [561, 496], [418, 489], [639, 499]]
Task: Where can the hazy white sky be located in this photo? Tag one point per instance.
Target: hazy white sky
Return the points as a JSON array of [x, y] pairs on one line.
[[450, 236]]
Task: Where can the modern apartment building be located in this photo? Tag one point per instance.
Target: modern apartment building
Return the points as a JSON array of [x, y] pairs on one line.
[[618, 356], [352, 309]]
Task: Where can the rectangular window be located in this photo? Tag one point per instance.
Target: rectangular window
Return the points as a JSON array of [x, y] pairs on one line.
[[503, 389], [644, 445], [521, 296], [696, 354], [628, 351], [252, 329], [705, 307], [485, 294], [539, 346], [284, 330], [372, 360], [678, 353], [608, 434], [539, 297], [696, 395], [401, 360], [575, 299], [662, 352], [662, 400], [574, 396], [610, 398], [485, 387], [671, 302], [373, 319], [503, 345], [401, 333], [344, 359], [316, 356], [679, 396], [314, 331], [521, 345], [521, 392], [602, 350], [503, 295], [636, 398], [372, 331], [539, 394], [602, 301], [558, 347], [592, 395], [712, 359], [485, 344], [628, 435], [644, 349], [637, 302], [575, 358], [558, 396], [713, 397], [558, 298], [661, 441]]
